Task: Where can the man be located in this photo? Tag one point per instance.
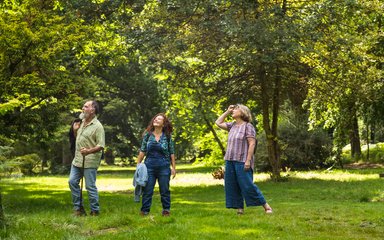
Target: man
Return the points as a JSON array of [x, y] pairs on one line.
[[90, 141]]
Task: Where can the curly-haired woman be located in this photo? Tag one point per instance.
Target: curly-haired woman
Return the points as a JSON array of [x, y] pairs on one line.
[[158, 149]]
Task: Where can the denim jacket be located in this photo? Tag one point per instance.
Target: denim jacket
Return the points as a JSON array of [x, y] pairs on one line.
[[140, 179]]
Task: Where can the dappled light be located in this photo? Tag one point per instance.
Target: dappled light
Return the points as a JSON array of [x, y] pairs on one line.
[[334, 176], [292, 88]]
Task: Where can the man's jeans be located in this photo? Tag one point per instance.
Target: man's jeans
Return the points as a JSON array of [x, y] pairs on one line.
[[162, 173], [239, 186], [90, 185]]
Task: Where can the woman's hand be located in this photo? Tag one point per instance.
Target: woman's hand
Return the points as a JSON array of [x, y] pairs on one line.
[[247, 165], [76, 126], [230, 108], [220, 121], [173, 173]]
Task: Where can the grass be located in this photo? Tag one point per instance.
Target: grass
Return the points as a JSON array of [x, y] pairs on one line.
[[342, 204]]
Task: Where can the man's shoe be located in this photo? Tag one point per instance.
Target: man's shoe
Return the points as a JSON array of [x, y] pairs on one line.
[[80, 212], [94, 213], [144, 213], [165, 213]]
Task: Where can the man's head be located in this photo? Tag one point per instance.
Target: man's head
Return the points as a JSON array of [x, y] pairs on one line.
[[90, 109]]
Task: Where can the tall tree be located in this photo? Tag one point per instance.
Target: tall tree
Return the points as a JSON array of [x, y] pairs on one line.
[[234, 50], [344, 68]]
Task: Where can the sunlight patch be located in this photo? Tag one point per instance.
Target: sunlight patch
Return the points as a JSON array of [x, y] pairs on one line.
[[334, 175]]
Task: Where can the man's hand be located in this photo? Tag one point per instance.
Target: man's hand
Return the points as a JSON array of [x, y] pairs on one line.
[[84, 151]]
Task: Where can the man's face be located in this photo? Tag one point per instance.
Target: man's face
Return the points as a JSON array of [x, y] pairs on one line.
[[88, 109]]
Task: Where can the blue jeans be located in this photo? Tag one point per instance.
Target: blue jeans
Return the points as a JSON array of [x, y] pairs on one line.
[[90, 185], [162, 174], [239, 186]]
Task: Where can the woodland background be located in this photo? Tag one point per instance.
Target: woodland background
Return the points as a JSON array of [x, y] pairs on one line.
[[310, 71]]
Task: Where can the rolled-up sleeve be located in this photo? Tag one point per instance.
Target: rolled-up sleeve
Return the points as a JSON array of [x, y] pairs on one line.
[[250, 131], [144, 142], [229, 125], [171, 146], [100, 137]]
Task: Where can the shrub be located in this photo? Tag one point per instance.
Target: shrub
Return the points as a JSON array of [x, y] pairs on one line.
[[376, 154], [27, 163], [7, 163]]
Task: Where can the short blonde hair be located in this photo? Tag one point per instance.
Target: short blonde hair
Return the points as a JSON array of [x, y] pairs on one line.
[[246, 114]]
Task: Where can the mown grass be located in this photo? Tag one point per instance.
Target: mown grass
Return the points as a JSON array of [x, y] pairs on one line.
[[340, 204]]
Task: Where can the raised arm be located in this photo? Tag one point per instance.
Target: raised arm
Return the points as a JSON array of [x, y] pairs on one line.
[[220, 121]]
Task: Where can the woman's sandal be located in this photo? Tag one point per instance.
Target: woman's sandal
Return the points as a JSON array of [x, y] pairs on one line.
[[268, 211], [267, 208]]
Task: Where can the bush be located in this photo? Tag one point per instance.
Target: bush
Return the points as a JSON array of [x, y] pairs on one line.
[[27, 163], [7, 163], [208, 150], [376, 154], [300, 148]]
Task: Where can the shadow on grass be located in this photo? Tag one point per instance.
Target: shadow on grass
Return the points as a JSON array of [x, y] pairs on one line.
[[123, 171], [200, 169], [25, 202]]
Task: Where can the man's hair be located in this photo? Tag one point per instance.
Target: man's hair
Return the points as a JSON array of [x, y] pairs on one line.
[[95, 106]]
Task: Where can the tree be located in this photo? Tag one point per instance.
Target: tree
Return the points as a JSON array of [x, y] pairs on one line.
[[39, 73], [344, 70], [226, 51]]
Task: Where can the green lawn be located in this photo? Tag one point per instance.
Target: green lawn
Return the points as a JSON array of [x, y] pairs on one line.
[[311, 205]]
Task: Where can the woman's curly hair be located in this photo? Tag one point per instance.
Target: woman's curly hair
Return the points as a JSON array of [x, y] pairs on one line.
[[167, 128]]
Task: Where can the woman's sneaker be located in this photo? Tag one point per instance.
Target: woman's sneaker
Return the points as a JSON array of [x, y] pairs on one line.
[[165, 213]]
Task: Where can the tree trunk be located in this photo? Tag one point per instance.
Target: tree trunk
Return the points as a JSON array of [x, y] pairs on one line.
[[210, 127], [109, 157], [270, 128], [367, 127], [2, 217], [354, 138], [373, 133]]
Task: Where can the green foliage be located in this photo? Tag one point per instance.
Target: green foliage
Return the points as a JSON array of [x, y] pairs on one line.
[[210, 153], [10, 162], [40, 72], [376, 154], [303, 148], [345, 76], [190, 59], [7, 163], [28, 163]]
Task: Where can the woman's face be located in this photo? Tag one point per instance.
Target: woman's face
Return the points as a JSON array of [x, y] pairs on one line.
[[158, 121], [236, 112]]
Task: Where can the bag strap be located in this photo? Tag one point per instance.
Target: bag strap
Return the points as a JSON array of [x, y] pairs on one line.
[[166, 135], [245, 135]]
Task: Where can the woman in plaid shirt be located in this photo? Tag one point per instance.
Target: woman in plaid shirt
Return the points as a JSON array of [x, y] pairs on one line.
[[239, 160]]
